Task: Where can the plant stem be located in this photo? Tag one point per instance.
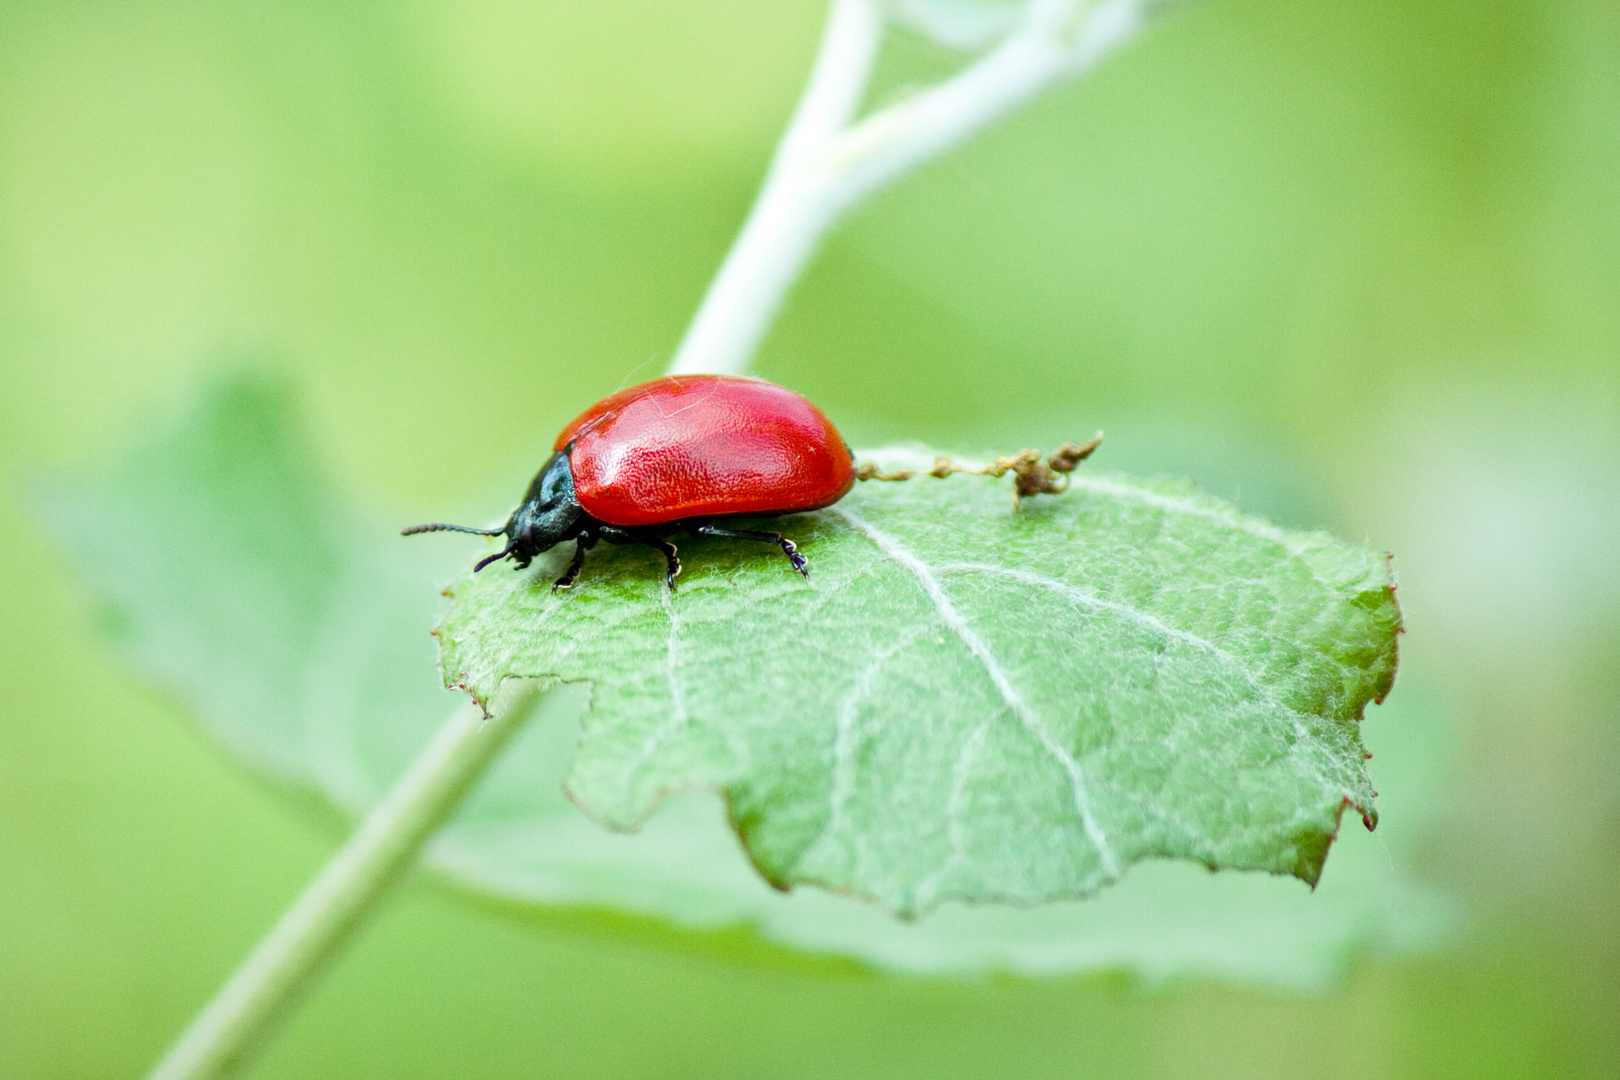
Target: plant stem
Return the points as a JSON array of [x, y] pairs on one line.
[[793, 209], [332, 906], [826, 165], [1041, 53]]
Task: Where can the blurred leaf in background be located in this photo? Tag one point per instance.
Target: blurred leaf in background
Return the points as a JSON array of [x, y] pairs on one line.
[[1357, 266], [228, 573]]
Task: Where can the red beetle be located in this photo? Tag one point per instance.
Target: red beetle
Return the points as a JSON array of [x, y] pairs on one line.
[[676, 453]]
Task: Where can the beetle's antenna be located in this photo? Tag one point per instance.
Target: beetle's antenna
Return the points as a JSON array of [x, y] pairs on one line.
[[499, 555], [441, 527]]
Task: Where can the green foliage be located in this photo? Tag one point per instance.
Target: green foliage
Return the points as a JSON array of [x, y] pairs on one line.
[[1355, 265], [969, 702], [299, 635]]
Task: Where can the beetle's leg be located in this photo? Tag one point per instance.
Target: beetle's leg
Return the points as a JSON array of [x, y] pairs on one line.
[[613, 534], [672, 565], [582, 543], [789, 548]]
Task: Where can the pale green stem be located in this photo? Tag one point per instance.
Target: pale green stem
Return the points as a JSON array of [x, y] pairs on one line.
[[828, 163], [793, 209], [331, 908]]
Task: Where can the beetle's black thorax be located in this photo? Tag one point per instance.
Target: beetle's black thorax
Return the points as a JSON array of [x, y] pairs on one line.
[[549, 514]]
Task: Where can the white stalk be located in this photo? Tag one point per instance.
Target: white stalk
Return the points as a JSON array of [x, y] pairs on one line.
[[385, 845], [793, 208], [826, 165]]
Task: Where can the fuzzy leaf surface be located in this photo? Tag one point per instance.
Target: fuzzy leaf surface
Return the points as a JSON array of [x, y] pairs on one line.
[[968, 702], [228, 572]]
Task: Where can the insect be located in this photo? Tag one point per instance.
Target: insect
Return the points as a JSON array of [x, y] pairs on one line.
[[684, 452]]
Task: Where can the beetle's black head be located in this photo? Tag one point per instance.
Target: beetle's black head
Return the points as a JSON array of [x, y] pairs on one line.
[[549, 514]]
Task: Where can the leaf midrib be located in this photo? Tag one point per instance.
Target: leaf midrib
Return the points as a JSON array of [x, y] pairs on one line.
[[980, 650]]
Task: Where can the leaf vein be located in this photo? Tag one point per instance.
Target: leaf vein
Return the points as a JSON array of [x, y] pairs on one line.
[[678, 715], [1295, 544], [1297, 717], [1027, 716], [846, 737], [928, 888]]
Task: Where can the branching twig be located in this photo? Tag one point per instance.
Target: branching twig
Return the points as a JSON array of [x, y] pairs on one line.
[[825, 165]]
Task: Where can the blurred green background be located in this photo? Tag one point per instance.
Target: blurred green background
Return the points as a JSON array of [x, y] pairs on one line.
[[1354, 264]]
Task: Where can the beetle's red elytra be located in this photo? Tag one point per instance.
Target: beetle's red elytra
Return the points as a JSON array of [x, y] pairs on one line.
[[690, 446], [684, 452]]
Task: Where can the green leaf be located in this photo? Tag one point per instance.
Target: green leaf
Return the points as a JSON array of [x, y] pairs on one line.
[[969, 702], [230, 574]]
